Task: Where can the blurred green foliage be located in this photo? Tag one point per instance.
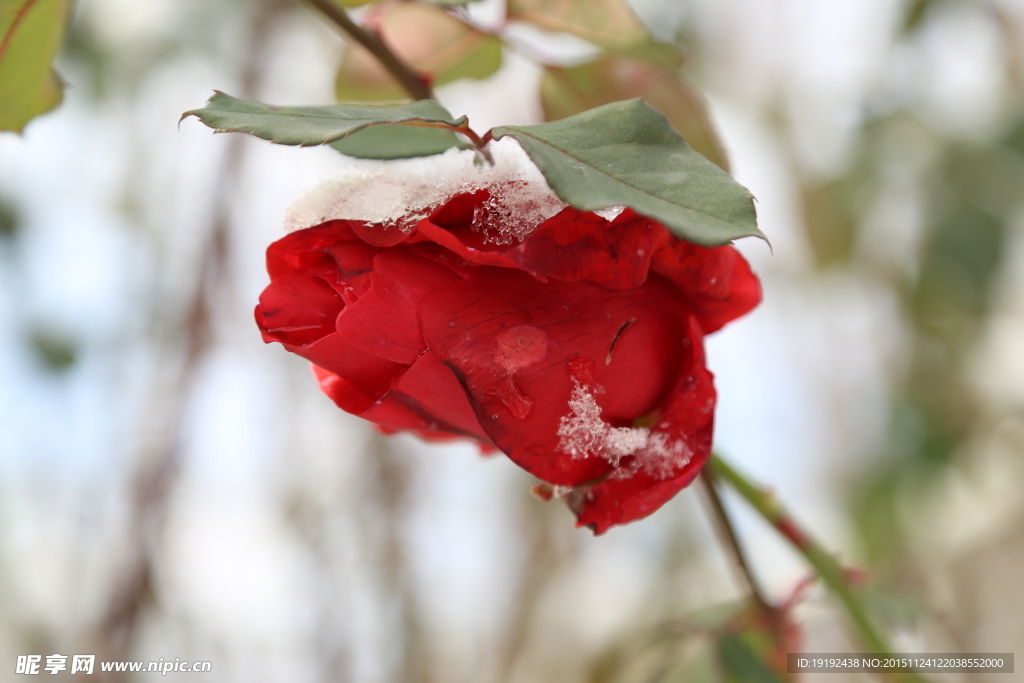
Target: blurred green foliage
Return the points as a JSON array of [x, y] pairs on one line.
[[30, 33], [972, 190], [728, 643], [57, 352], [565, 91], [8, 219], [436, 43]]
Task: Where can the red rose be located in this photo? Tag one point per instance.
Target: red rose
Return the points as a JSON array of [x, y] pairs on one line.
[[571, 341]]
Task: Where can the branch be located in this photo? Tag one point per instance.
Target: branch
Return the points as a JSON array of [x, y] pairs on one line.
[[827, 567], [709, 479], [824, 563], [413, 83]]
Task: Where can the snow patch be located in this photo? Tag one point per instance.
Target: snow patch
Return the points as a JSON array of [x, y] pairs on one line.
[[662, 457], [582, 432], [405, 191], [610, 213]]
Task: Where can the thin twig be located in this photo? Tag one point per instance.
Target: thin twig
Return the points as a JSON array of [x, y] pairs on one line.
[[726, 528], [413, 83]]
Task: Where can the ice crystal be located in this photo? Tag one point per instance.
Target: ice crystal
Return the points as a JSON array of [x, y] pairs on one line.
[[610, 213], [512, 211], [583, 433]]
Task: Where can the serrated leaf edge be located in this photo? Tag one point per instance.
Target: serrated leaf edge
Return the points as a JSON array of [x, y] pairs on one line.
[[455, 125]]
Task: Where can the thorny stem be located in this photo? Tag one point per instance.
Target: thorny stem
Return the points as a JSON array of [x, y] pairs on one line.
[[830, 571], [412, 82], [708, 479]]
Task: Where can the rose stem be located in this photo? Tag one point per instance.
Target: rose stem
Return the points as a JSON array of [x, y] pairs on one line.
[[824, 563], [415, 85], [725, 527], [410, 81]]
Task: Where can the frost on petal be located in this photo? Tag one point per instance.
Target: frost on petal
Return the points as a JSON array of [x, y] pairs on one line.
[[582, 433], [403, 192], [663, 457], [512, 210]]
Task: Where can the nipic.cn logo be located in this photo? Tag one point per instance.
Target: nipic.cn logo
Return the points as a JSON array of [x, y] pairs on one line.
[[32, 665]]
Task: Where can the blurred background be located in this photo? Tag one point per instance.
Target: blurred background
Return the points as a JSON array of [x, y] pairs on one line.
[[171, 487]]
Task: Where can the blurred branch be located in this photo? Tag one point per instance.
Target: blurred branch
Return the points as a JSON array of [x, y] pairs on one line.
[[413, 83], [385, 507], [709, 479], [831, 572], [133, 589], [538, 567]]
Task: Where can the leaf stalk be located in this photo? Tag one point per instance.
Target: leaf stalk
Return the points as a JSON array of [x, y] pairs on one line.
[[413, 83]]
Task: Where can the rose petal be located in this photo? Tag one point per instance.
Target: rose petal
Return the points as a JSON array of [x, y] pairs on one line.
[[345, 394], [380, 235], [370, 374], [298, 251], [297, 310], [385, 320], [510, 338], [717, 281], [577, 245], [685, 429], [428, 397]]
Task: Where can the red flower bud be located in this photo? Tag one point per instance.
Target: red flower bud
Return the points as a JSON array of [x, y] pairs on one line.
[[571, 341]]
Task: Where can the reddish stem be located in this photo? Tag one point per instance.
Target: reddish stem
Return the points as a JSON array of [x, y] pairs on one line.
[[412, 82]]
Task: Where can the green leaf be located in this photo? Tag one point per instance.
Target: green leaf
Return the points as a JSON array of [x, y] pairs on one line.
[[352, 3], [742, 663], [568, 91], [610, 24], [627, 153], [438, 45], [30, 34], [398, 142], [364, 130]]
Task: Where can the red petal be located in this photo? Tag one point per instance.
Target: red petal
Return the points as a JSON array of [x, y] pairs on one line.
[[510, 338], [345, 394], [380, 235], [571, 245], [370, 375], [575, 245], [717, 281], [299, 250], [428, 397], [689, 421], [385, 320], [297, 310]]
